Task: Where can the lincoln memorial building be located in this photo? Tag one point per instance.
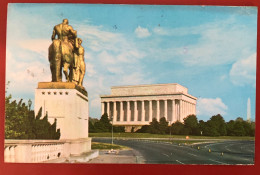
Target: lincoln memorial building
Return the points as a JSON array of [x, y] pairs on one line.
[[135, 106]]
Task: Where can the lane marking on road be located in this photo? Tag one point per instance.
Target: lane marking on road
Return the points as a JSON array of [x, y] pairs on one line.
[[209, 145], [192, 154], [249, 150], [228, 148], [218, 161], [165, 155], [179, 162]]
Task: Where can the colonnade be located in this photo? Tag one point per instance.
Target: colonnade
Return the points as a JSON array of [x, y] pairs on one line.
[[125, 111]]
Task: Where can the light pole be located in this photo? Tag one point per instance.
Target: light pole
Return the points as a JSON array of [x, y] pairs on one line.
[[29, 104], [112, 129], [170, 129]]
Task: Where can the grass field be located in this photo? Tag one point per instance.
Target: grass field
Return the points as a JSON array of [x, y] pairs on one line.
[[98, 145], [147, 135]]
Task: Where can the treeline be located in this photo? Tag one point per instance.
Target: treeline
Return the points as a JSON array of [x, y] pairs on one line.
[[21, 123], [216, 126], [103, 125]]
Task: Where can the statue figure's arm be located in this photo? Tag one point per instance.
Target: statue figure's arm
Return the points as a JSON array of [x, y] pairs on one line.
[[53, 34], [74, 32], [81, 51]]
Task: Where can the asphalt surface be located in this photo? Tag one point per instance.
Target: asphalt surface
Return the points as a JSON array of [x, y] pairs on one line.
[[225, 152]]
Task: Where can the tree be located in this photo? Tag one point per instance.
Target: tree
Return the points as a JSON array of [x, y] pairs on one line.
[[216, 126], [238, 128], [163, 126], [202, 126], [252, 133], [118, 129], [154, 126], [230, 128], [247, 128], [144, 129], [191, 125], [103, 125], [21, 123], [177, 128], [210, 129], [91, 127]]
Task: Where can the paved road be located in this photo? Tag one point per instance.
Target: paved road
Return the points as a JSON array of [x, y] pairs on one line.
[[153, 152]]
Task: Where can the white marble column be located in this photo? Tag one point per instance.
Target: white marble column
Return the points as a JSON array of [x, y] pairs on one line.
[[135, 111], [128, 114], [185, 109], [177, 110], [108, 108], [158, 110], [143, 112], [121, 112], [181, 110], [115, 113], [102, 108], [191, 109], [150, 110], [173, 111], [165, 110], [189, 113]]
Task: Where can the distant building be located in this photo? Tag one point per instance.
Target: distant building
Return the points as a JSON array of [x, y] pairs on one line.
[[135, 106]]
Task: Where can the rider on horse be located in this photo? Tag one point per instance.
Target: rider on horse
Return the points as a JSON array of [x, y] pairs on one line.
[[61, 50]]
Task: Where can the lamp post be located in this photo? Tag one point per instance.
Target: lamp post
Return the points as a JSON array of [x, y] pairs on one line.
[[170, 129], [112, 130], [29, 104]]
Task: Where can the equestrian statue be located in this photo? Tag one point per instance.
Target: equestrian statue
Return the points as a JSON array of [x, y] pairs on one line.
[[66, 54]]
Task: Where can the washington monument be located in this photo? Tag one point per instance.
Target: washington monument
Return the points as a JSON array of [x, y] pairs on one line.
[[248, 110]]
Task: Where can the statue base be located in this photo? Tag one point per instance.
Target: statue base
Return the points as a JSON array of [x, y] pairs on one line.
[[66, 102]]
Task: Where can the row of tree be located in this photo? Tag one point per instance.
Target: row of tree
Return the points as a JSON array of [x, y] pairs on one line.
[[216, 126], [103, 125], [21, 123]]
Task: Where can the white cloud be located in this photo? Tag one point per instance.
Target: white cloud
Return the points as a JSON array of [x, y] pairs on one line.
[[90, 71], [244, 71], [223, 77], [161, 31], [95, 103], [40, 46], [215, 43], [24, 75], [115, 69], [142, 32], [114, 59], [210, 106]]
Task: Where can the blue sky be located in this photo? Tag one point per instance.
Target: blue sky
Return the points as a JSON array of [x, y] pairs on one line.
[[210, 50]]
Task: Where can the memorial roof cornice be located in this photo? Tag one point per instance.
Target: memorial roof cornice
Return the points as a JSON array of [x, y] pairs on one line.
[[146, 85], [152, 95]]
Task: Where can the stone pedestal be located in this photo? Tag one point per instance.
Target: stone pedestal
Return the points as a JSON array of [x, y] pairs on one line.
[[68, 103]]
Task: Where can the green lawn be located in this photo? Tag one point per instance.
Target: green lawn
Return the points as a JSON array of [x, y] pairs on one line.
[[98, 145], [147, 135]]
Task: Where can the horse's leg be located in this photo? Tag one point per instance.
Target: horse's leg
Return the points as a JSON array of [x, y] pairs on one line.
[[65, 71], [66, 67], [58, 62], [71, 73], [55, 60], [52, 67]]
